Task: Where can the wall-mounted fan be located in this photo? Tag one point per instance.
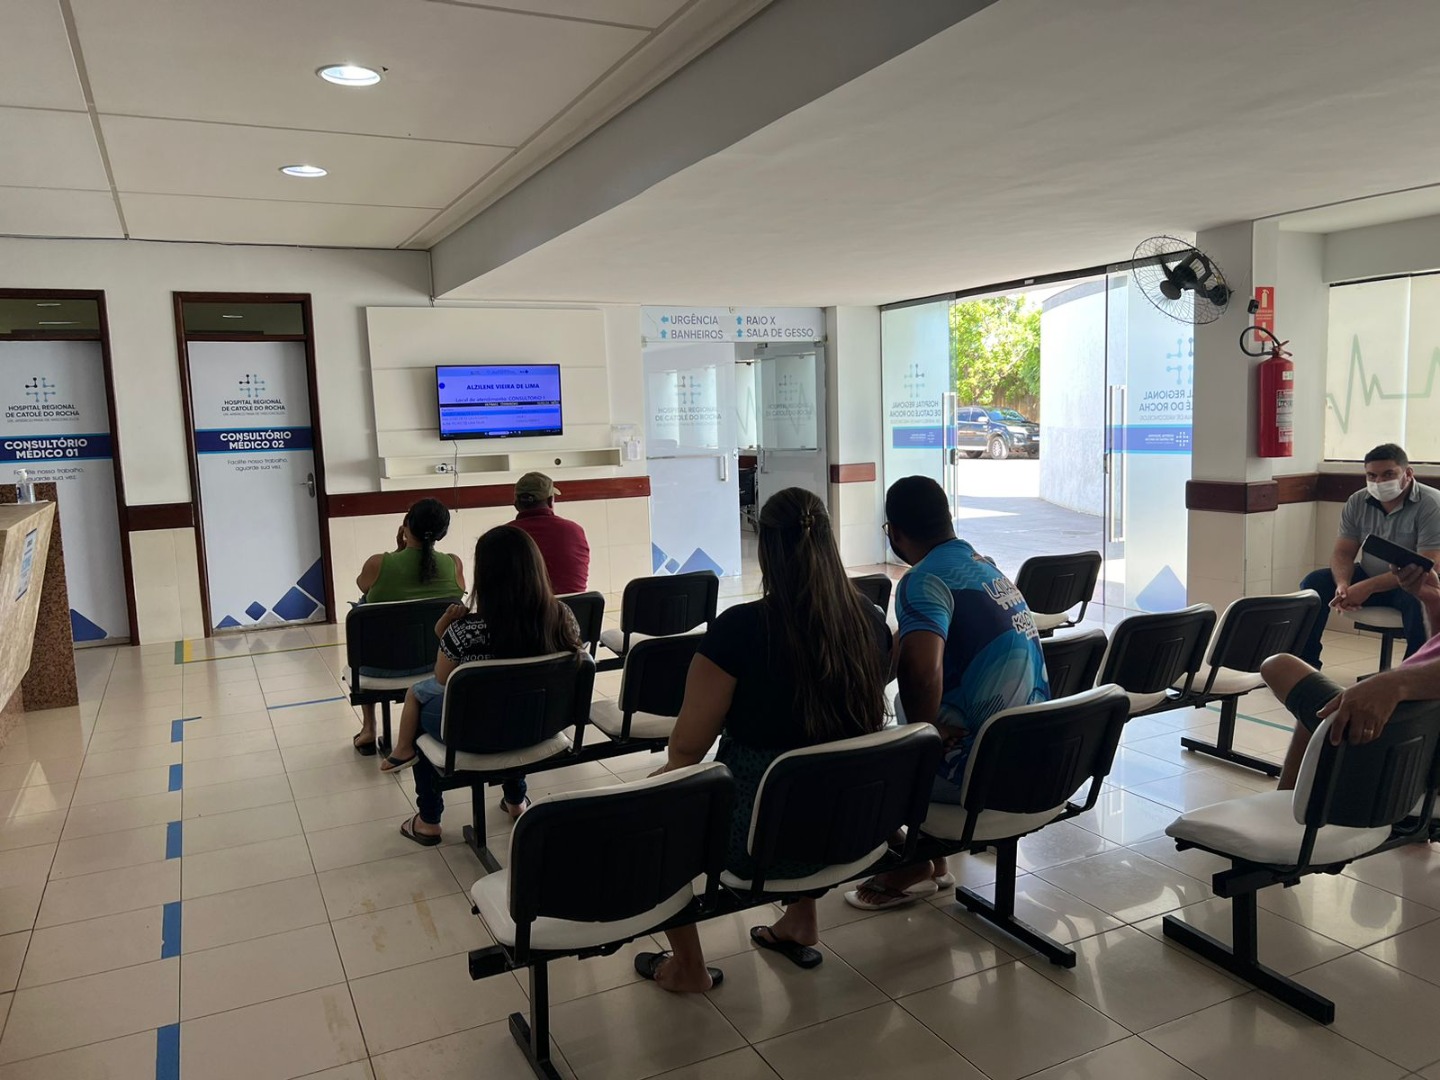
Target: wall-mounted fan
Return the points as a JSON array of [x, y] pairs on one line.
[[1180, 280]]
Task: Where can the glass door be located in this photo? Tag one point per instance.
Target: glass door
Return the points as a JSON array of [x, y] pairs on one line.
[[1149, 378], [789, 383]]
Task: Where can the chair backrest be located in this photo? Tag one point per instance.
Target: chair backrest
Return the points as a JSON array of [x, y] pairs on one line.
[[660, 606], [589, 611], [835, 802], [1373, 784], [1255, 627], [876, 588], [655, 673], [1052, 584], [1150, 653], [1072, 661], [494, 706], [634, 846], [395, 636], [1036, 757]]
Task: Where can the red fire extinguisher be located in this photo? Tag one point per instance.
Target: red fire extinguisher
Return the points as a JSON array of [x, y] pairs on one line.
[[1275, 379]]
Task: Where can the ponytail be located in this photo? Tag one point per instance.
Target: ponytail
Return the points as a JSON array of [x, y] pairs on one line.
[[428, 521]]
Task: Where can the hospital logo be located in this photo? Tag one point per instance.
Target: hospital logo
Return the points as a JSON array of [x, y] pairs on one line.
[[914, 380], [252, 386], [40, 390]]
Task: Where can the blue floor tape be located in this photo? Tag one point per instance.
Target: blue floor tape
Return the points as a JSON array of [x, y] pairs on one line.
[[177, 773], [167, 1052], [297, 704], [170, 930], [177, 730], [173, 840]]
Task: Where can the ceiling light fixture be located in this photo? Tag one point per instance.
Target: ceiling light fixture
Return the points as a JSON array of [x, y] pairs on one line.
[[349, 75], [306, 172]]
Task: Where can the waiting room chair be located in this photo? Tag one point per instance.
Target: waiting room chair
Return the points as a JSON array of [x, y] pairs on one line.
[[1054, 584], [1025, 767], [836, 806], [638, 848], [396, 636], [876, 588], [1150, 654], [651, 691], [1349, 802], [499, 716], [1072, 661], [1387, 622], [589, 611], [661, 607], [1250, 630]]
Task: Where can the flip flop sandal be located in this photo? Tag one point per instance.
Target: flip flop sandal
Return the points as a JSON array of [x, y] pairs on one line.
[[647, 963], [803, 956], [894, 898], [368, 749], [398, 766], [505, 808], [407, 830], [944, 881]]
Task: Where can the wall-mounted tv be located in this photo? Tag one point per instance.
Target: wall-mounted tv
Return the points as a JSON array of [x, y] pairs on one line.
[[498, 401]]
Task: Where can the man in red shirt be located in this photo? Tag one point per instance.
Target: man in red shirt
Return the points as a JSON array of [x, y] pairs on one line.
[[561, 542]]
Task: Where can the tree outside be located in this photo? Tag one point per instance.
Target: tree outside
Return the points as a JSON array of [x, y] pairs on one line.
[[995, 353]]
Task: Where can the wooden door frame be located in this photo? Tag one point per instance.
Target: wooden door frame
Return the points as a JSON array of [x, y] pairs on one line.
[[101, 335], [322, 506]]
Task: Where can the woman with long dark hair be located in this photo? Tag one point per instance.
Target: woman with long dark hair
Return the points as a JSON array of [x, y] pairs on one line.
[[413, 571], [515, 615], [805, 664]]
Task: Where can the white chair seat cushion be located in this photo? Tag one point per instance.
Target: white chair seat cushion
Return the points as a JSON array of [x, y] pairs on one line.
[[1385, 617], [434, 751], [1261, 828], [614, 640], [492, 896], [826, 878], [947, 821], [1050, 620], [375, 683], [1140, 702], [606, 715], [1228, 681]]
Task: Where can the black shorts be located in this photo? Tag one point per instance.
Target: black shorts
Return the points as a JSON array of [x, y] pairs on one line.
[[1309, 696]]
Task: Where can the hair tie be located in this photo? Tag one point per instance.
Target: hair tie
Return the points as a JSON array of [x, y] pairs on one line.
[[807, 519]]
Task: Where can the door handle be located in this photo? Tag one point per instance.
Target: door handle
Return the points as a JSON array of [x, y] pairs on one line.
[[724, 467], [309, 483]]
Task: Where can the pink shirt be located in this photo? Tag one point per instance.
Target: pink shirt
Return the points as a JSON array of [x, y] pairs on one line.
[[1427, 652]]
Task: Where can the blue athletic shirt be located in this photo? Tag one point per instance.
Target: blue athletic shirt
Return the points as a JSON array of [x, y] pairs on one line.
[[993, 659]]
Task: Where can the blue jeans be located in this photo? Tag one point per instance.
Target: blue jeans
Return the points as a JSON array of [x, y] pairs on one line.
[[429, 799], [1323, 582]]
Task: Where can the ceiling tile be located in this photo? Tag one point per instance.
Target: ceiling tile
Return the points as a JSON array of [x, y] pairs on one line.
[[38, 70], [37, 212], [630, 12], [248, 221], [49, 149], [453, 72], [180, 157]]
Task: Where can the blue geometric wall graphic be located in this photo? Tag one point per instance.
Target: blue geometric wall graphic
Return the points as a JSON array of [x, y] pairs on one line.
[[82, 629], [255, 610], [295, 605], [700, 561], [671, 566], [657, 558], [312, 581], [229, 622], [1165, 593]]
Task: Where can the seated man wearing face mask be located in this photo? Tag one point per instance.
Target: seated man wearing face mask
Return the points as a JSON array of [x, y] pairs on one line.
[[1397, 507]]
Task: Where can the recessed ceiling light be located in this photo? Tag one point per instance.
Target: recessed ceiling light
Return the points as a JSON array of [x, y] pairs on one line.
[[232, 316], [308, 172], [349, 75], [57, 322], [48, 303]]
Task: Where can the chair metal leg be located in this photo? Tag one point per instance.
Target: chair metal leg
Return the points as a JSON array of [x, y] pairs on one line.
[[534, 1036], [1387, 651], [1002, 912], [1224, 745], [385, 743], [1241, 960], [474, 833]]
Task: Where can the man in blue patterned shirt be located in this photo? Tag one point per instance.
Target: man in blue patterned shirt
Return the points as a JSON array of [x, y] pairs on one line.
[[968, 649]]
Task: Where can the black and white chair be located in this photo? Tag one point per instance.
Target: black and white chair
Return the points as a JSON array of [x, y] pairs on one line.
[[1072, 661], [1250, 630], [396, 636], [1150, 654], [589, 611], [500, 716], [661, 607], [1025, 767], [876, 588], [836, 806], [651, 691], [1053, 585], [1387, 622], [1349, 802], [639, 848]]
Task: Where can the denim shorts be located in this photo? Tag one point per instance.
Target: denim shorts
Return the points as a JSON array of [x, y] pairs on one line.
[[431, 697]]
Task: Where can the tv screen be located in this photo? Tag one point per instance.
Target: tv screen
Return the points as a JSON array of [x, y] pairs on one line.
[[498, 401]]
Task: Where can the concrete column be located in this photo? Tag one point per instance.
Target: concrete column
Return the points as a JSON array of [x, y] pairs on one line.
[[854, 430]]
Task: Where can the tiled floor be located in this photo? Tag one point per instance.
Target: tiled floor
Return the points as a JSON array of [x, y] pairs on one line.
[[199, 877]]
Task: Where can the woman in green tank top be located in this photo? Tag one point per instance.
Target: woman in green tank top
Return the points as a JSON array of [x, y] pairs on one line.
[[413, 571]]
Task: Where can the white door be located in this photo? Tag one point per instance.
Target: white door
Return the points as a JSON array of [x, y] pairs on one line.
[[690, 443], [56, 426], [790, 400], [250, 403]]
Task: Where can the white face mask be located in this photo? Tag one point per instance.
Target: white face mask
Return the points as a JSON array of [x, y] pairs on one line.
[[1385, 490]]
